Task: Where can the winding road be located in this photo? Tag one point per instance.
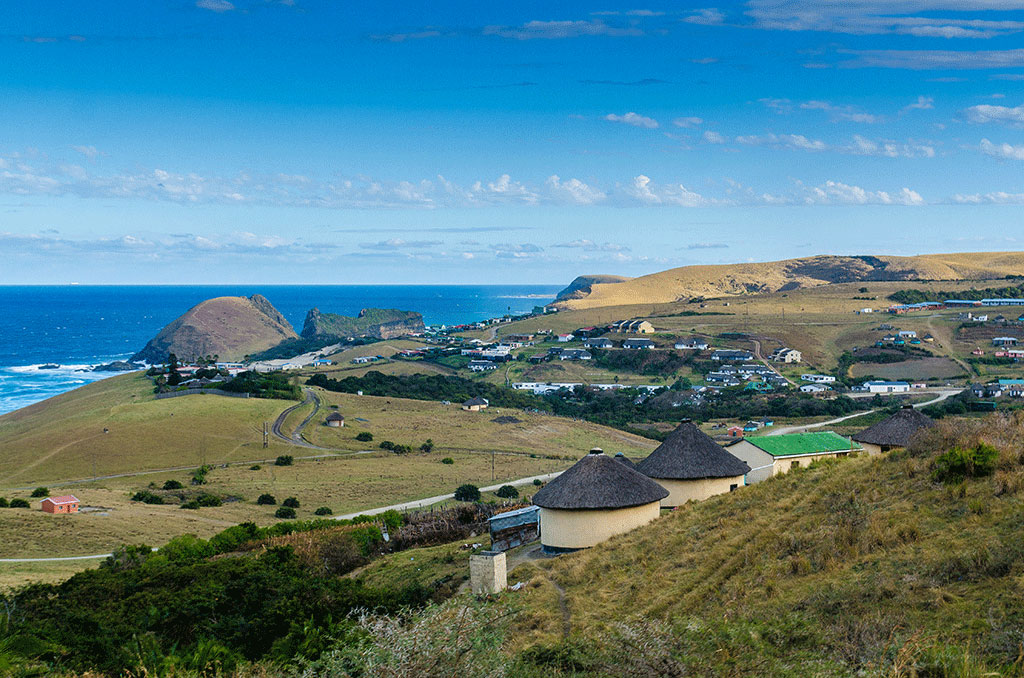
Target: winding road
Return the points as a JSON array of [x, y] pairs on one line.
[[796, 429], [295, 438]]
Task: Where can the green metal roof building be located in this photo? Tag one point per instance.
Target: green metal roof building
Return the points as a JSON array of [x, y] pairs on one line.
[[771, 455]]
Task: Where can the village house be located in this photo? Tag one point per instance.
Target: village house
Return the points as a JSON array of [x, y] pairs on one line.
[[64, 504], [818, 378], [594, 500], [815, 388], [637, 343], [335, 420], [365, 359], [885, 386], [692, 466], [1004, 341], [574, 354], [691, 344], [907, 334], [893, 432], [771, 455], [731, 355], [565, 338], [632, 327], [623, 459], [787, 355], [598, 342], [475, 404], [482, 365]]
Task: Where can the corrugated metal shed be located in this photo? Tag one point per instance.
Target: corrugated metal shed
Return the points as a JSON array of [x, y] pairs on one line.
[[514, 528]]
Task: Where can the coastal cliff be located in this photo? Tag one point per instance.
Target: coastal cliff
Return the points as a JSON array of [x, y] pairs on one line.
[[380, 323], [227, 327]]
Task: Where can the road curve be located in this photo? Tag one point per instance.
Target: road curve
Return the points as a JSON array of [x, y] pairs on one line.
[[295, 438], [796, 429]]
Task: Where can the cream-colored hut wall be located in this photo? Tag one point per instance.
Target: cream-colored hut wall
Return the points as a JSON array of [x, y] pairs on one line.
[[682, 491], [577, 529]]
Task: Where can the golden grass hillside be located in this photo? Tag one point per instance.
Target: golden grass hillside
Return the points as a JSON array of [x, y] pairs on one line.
[[734, 279], [839, 569]]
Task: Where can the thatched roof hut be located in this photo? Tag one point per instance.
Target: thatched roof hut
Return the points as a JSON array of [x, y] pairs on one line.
[[594, 500], [475, 404], [623, 459], [895, 431], [690, 465], [335, 420]]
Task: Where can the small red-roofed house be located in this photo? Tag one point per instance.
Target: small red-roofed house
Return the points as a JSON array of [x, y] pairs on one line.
[[66, 504]]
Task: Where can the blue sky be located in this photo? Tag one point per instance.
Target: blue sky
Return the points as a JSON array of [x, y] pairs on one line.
[[310, 141]]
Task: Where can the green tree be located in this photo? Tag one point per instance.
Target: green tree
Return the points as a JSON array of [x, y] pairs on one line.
[[285, 513], [467, 492], [507, 492]]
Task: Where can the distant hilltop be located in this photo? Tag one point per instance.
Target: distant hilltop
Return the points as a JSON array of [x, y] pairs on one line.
[[227, 327], [381, 323], [687, 282]]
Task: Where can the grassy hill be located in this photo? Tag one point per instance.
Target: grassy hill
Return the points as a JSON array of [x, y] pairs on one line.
[[862, 565], [736, 279]]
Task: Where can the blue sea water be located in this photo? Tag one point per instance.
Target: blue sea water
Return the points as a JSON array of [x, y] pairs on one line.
[[80, 326]]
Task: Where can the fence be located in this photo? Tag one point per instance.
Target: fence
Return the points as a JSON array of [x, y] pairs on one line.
[[200, 391]]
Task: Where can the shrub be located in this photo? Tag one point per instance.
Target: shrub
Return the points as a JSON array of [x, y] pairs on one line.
[[3, 502], [172, 485], [284, 460], [507, 492], [447, 460], [191, 504], [291, 502], [537, 482], [147, 497], [255, 467], [364, 436], [401, 449], [427, 447], [266, 500], [208, 500], [40, 492], [467, 492], [959, 464], [19, 503], [199, 475], [323, 511], [285, 513], [386, 445]]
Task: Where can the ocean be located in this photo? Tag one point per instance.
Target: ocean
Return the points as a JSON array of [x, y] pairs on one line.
[[80, 326]]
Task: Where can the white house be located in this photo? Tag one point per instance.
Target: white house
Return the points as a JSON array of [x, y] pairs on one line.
[[694, 344], [638, 343], [787, 355], [885, 386], [574, 354], [564, 338], [908, 334], [482, 365], [818, 378], [814, 388], [1004, 341]]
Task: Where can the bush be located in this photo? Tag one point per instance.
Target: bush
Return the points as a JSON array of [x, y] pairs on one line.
[[401, 449], [255, 467], [386, 445], [40, 492], [3, 502], [467, 492], [323, 511], [172, 485], [199, 475], [19, 503], [364, 436], [291, 502], [284, 513], [147, 497], [208, 500], [959, 464], [537, 482], [447, 460], [266, 500], [191, 504], [427, 447], [507, 492], [284, 460]]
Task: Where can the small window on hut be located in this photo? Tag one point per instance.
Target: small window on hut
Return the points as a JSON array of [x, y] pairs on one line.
[[795, 464], [733, 487]]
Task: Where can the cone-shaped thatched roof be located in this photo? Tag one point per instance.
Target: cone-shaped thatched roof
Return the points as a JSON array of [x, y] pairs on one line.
[[897, 429], [623, 459], [599, 482], [335, 416], [689, 454]]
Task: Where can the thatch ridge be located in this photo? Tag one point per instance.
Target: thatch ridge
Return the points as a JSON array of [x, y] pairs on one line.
[[599, 482], [896, 430], [690, 454]]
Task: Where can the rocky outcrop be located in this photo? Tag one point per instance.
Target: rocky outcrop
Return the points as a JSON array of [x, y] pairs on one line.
[[582, 285], [380, 323], [227, 327]]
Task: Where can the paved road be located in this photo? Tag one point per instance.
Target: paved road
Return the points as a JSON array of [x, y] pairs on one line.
[[421, 503], [295, 437], [796, 429], [757, 354]]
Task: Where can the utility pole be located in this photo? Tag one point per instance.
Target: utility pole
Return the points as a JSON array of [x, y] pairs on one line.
[[492, 465], [266, 442]]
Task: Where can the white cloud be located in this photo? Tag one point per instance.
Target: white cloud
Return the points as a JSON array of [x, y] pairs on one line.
[[688, 121], [923, 103], [215, 5], [792, 141], [1005, 151], [591, 246], [922, 60], [848, 113], [633, 119], [643, 190], [88, 151], [573, 191], [889, 149], [838, 193], [553, 30], [706, 17], [985, 113], [995, 198], [713, 137]]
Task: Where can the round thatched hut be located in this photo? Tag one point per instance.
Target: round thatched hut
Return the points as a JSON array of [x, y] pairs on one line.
[[893, 432], [690, 465], [623, 459], [335, 420], [595, 500]]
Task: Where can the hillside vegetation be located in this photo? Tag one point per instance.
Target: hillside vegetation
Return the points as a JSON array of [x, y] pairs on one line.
[[733, 279]]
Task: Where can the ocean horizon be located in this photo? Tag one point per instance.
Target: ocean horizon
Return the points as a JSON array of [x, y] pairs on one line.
[[80, 326]]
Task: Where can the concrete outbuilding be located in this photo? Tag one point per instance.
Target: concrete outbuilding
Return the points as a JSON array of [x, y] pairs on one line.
[[771, 455], [64, 504], [894, 432], [596, 499], [692, 466]]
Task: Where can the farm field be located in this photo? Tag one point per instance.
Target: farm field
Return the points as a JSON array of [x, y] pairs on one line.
[[911, 370]]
